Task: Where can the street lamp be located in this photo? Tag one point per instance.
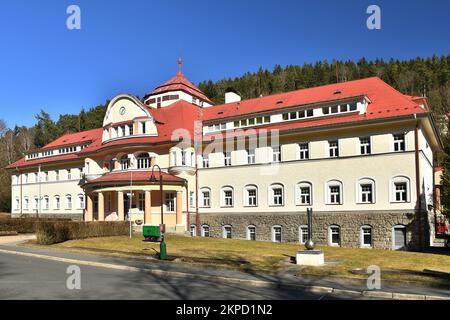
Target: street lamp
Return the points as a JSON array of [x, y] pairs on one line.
[[162, 245]]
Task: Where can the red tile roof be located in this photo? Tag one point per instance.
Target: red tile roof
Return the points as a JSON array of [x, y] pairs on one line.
[[382, 96], [179, 82], [138, 176]]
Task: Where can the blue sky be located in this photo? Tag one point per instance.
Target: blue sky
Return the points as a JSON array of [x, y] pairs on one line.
[[132, 46]]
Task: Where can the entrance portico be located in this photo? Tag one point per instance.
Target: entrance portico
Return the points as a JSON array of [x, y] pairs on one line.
[[111, 200]]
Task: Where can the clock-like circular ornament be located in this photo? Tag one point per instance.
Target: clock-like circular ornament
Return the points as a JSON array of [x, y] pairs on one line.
[[122, 110]]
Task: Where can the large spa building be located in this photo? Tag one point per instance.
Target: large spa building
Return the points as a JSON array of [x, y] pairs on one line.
[[359, 153]]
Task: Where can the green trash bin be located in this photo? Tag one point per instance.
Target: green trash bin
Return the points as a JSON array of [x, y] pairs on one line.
[[151, 233]]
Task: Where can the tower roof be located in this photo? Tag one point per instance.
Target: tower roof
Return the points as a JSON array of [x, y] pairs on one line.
[[179, 82]]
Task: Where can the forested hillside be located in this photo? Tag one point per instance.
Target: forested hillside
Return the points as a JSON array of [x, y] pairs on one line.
[[428, 77]]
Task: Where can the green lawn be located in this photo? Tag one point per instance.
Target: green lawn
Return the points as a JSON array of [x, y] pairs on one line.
[[271, 257]]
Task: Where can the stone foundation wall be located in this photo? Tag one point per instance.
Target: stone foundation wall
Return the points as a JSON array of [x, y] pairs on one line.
[[350, 223]]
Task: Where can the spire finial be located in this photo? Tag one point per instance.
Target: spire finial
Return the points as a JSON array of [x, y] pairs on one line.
[[180, 62]]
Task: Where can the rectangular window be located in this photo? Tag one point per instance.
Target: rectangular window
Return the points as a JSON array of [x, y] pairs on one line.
[[57, 175], [251, 156], [367, 236], [277, 196], [277, 234], [366, 193], [293, 115], [27, 203], [267, 119], [251, 193], [309, 113], [304, 151], [301, 114], [276, 154], [334, 148], [335, 194], [400, 191], [399, 142], [334, 109], [353, 106], [365, 145], [205, 161], [227, 158], [130, 129], [228, 198], [259, 120], [170, 201], [227, 232], [303, 234], [183, 157], [335, 235], [305, 195], [206, 199], [144, 129], [326, 110], [251, 233], [69, 174]]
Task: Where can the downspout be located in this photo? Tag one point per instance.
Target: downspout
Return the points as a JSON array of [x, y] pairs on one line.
[[418, 194], [187, 205], [21, 192]]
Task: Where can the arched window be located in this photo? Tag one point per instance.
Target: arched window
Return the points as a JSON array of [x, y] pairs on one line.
[[251, 196], [276, 194], [227, 197], [303, 194], [366, 236], [143, 161], [334, 235], [81, 201], [227, 231], [276, 233], [46, 203], [334, 192], [251, 232], [303, 233], [205, 198], [124, 162], [17, 205], [365, 190], [68, 201], [57, 202], [205, 230], [400, 189], [26, 203], [193, 230]]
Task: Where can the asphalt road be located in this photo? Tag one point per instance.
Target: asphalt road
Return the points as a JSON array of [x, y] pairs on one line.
[[33, 278]]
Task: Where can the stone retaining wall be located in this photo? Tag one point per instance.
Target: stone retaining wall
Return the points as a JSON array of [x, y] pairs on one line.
[[350, 223]]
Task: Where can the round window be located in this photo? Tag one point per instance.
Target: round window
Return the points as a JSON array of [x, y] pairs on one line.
[[122, 110]]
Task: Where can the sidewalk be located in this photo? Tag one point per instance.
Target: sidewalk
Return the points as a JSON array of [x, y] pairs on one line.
[[287, 278]]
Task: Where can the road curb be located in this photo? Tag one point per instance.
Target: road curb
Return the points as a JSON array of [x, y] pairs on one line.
[[256, 283]]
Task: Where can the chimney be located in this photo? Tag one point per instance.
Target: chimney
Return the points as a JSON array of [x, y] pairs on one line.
[[232, 96]]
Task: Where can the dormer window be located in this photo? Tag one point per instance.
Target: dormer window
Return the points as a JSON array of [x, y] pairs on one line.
[[124, 162], [130, 129]]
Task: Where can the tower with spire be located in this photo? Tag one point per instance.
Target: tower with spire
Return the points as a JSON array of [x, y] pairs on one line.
[[175, 89]]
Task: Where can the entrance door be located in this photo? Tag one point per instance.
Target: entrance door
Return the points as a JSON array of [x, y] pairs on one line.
[[399, 238]]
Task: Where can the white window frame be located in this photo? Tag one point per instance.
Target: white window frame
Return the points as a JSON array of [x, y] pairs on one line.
[[336, 150], [395, 143], [69, 203], [302, 233], [81, 202], [223, 197], [392, 188], [57, 202], [303, 154], [298, 193], [276, 154], [141, 201], [330, 235], [399, 226], [46, 202], [143, 161], [169, 201], [192, 199], [247, 189], [203, 226], [359, 192], [274, 233], [251, 156], [328, 186], [363, 245], [193, 230], [364, 146], [272, 195], [35, 203], [205, 160], [202, 198], [26, 203], [17, 203], [225, 231], [249, 233], [227, 159]]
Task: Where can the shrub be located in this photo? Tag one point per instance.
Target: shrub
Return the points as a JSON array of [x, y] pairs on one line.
[[59, 231], [22, 225]]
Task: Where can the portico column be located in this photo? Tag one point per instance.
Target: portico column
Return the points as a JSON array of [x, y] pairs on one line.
[[101, 207], [179, 207], [89, 215], [148, 207], [120, 206]]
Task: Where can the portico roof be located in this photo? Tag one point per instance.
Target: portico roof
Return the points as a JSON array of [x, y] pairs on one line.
[[136, 177]]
